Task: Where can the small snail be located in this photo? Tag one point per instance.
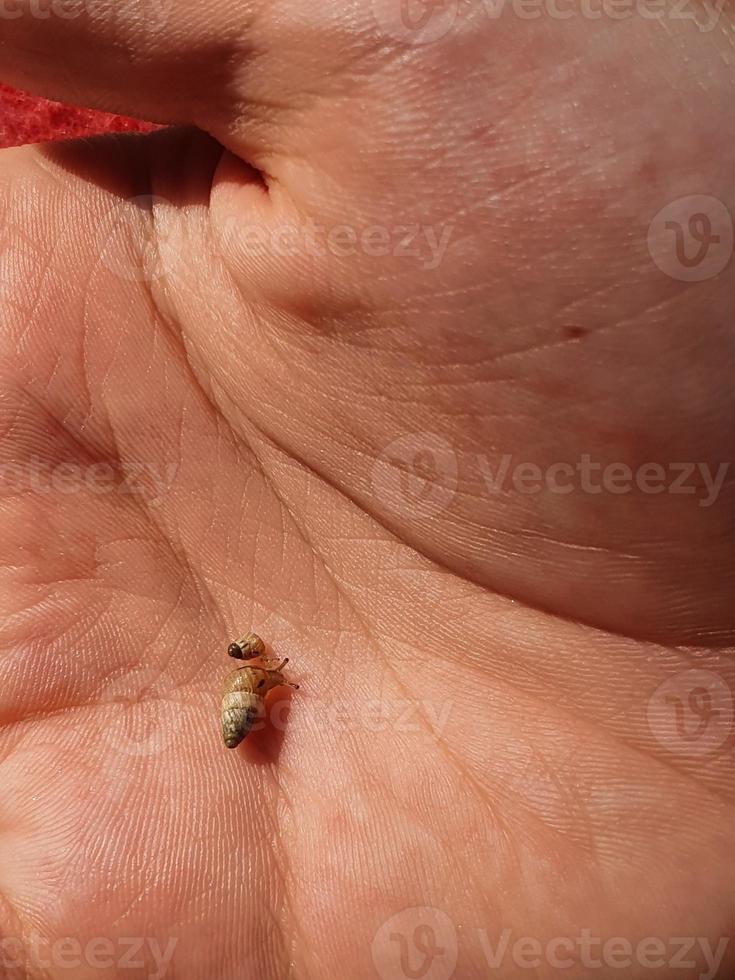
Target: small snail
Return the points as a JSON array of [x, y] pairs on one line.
[[244, 690], [247, 648]]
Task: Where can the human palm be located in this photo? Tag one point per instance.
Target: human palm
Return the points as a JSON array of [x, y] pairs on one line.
[[278, 394]]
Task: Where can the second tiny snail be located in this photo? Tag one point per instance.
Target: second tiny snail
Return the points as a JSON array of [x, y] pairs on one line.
[[244, 690]]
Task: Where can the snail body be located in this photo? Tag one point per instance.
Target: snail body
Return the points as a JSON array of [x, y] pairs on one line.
[[245, 689]]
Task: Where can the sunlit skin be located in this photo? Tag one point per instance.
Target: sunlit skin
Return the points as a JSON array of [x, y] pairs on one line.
[[226, 412]]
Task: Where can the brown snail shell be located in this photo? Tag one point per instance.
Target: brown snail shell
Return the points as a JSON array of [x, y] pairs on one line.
[[247, 648], [242, 700], [240, 711]]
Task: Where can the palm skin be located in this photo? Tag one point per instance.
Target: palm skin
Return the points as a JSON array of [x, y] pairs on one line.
[[240, 424]]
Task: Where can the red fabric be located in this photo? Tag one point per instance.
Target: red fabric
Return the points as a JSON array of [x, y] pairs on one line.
[[26, 119]]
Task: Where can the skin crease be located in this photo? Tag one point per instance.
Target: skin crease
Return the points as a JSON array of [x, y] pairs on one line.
[[472, 730]]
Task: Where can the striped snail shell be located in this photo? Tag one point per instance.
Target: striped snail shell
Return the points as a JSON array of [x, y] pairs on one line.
[[240, 710], [242, 700]]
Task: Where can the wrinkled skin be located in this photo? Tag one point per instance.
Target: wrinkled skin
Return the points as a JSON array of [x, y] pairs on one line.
[[306, 433]]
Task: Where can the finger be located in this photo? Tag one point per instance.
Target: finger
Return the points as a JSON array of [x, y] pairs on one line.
[[148, 57], [170, 61]]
